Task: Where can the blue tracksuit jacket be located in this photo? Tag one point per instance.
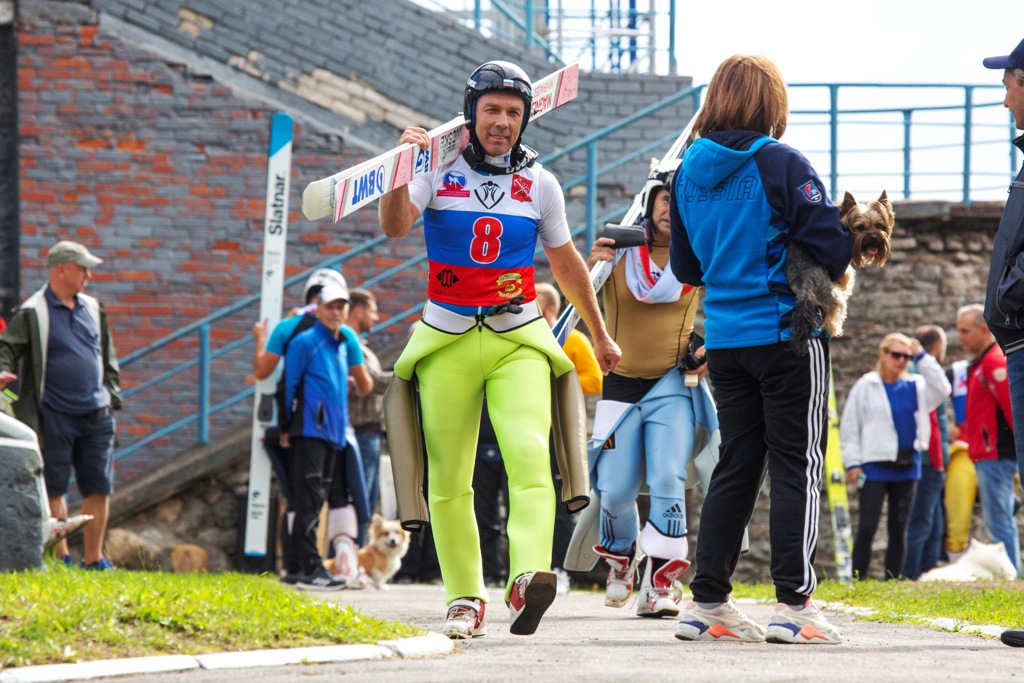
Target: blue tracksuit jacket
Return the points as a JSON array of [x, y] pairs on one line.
[[318, 363], [738, 201]]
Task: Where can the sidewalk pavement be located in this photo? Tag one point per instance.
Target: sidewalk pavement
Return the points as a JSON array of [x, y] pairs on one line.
[[579, 639]]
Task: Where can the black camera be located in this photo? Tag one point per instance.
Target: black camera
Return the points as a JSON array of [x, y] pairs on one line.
[[690, 361], [624, 235]]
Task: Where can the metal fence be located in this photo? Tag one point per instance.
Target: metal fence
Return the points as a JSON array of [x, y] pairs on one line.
[[952, 144]]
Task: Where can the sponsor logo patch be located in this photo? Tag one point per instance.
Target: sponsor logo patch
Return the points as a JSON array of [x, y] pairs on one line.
[[454, 185], [447, 278], [489, 194], [521, 188], [510, 285], [810, 192]]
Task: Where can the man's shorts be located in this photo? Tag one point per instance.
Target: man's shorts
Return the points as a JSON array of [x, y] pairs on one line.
[[85, 442]]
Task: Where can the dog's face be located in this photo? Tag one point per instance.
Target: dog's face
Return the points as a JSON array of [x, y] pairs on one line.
[[389, 537], [871, 225]]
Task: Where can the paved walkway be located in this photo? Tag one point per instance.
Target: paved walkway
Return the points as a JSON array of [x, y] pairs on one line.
[[582, 640]]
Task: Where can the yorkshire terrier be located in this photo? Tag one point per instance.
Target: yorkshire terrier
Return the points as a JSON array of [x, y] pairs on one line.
[[821, 302]]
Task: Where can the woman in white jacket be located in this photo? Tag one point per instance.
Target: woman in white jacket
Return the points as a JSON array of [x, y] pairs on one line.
[[883, 429]]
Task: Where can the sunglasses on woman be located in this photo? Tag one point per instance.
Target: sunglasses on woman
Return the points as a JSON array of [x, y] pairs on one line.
[[900, 356]]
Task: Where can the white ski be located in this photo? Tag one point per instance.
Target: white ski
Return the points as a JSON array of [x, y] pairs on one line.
[[602, 270], [350, 190], [275, 237]]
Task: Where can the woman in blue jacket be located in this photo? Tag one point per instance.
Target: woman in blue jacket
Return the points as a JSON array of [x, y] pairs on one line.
[[739, 200]]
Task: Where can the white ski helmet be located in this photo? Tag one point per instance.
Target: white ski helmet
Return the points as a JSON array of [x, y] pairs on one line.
[[319, 278]]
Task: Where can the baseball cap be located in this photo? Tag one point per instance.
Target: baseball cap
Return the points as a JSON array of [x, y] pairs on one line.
[[71, 252], [1014, 60], [332, 291], [319, 278]]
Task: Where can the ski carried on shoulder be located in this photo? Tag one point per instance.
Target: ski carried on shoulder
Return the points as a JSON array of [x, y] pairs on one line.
[[275, 238], [602, 270], [838, 499], [348, 191]]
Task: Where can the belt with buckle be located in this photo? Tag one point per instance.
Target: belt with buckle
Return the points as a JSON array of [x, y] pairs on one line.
[[99, 414]]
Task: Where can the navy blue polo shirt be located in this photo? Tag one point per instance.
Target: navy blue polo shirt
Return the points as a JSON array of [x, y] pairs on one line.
[[74, 359]]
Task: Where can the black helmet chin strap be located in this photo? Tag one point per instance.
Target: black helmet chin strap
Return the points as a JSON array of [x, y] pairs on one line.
[[521, 157]]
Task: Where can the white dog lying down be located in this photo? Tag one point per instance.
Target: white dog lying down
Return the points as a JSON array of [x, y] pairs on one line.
[[981, 562]]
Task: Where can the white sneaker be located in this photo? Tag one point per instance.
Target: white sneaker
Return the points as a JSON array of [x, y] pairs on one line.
[[619, 585], [658, 596], [806, 626], [722, 623], [465, 619], [532, 594]]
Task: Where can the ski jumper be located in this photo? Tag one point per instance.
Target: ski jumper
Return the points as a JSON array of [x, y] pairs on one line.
[[653, 443], [481, 232]]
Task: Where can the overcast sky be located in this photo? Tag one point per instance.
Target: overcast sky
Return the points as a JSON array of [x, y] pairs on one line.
[[873, 41], [863, 41], [867, 41]]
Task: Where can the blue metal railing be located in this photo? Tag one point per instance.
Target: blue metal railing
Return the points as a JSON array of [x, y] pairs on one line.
[[905, 120], [965, 116], [607, 36]]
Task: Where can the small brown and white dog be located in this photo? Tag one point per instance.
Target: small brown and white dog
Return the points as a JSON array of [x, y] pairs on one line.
[[382, 555], [821, 302]]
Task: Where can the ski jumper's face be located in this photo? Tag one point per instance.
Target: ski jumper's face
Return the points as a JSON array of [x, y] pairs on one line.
[[499, 118], [660, 217]]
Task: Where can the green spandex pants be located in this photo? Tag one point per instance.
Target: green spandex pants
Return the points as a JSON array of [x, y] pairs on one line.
[[517, 381]]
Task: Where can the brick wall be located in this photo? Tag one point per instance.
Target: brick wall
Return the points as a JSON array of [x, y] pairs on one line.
[[143, 133], [161, 171]]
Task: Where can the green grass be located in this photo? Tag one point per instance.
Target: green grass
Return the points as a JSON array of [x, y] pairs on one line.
[[65, 615], [908, 602]]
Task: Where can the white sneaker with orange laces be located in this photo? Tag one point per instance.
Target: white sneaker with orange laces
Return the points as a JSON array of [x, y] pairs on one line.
[[805, 626], [723, 622]]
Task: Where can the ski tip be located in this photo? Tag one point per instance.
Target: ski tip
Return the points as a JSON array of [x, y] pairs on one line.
[[314, 206]]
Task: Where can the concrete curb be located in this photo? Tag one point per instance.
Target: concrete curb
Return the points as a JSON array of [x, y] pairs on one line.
[[432, 644], [943, 623]]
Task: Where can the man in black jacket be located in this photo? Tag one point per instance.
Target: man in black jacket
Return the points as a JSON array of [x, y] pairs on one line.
[[1004, 298]]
